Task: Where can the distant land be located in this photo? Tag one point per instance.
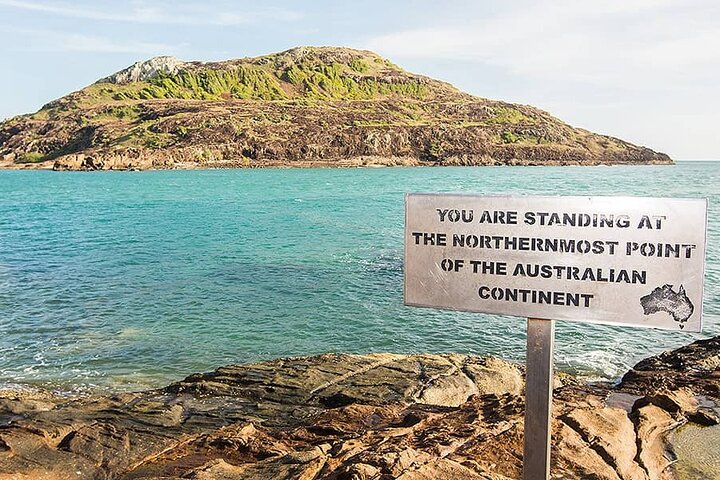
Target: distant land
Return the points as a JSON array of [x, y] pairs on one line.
[[305, 107]]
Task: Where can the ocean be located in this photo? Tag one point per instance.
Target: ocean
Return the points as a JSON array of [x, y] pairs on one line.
[[128, 280]]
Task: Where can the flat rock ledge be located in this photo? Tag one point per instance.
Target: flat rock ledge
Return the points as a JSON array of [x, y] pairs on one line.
[[379, 416]]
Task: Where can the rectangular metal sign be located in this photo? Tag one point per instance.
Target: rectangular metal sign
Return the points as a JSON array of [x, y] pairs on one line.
[[621, 260]]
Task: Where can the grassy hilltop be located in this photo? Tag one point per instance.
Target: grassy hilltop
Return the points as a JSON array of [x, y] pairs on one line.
[[308, 106]]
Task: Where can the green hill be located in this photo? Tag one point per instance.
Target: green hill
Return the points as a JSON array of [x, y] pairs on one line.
[[308, 106]]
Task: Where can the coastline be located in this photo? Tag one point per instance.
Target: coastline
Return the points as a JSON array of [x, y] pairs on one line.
[[362, 416], [82, 162]]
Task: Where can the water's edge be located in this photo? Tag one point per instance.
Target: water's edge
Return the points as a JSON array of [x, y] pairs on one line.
[[128, 280]]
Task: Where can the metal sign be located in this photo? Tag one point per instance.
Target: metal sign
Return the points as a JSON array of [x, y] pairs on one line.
[[626, 260], [621, 260]]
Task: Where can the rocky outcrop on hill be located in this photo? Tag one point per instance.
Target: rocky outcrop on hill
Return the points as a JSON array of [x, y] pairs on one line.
[[379, 416], [145, 70], [304, 107]]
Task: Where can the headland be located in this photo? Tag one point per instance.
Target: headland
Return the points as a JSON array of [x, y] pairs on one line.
[[304, 107]]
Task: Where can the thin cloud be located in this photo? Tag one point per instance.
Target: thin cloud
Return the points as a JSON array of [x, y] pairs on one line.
[[89, 43], [158, 13], [614, 42], [51, 41]]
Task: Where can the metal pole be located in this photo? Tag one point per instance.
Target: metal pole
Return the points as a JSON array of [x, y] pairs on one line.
[[538, 398]]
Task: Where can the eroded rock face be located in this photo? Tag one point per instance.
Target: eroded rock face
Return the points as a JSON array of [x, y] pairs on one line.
[[378, 416], [145, 70]]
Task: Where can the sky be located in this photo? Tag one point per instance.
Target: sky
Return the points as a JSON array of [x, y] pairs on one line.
[[646, 71]]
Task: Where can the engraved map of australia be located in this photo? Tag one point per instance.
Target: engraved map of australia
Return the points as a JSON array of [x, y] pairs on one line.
[[665, 299]]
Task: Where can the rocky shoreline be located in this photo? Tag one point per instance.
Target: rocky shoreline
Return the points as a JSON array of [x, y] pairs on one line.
[[179, 160], [378, 416]]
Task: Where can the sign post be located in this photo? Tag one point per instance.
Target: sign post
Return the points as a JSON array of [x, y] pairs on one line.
[[538, 398], [619, 260]]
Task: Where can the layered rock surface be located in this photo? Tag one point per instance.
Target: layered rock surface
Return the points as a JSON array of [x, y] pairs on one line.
[[377, 416], [308, 106]]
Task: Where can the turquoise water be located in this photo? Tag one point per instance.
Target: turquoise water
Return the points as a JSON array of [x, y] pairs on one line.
[[126, 280]]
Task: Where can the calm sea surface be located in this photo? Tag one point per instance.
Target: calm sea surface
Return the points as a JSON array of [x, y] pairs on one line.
[[134, 279]]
